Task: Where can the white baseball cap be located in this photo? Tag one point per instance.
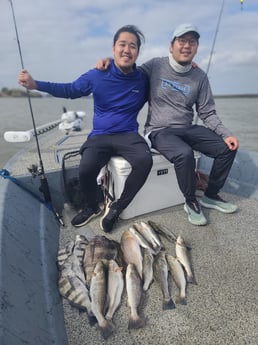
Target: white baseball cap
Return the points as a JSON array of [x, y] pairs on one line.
[[183, 29]]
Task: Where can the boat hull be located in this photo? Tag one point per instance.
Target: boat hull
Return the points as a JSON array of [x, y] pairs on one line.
[[31, 307]]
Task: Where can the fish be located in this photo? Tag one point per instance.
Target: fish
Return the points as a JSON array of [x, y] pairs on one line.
[[147, 268], [115, 287], [134, 294], [142, 241], [162, 230], [98, 248], [72, 286], [64, 253], [160, 268], [98, 290], [131, 250], [178, 276], [80, 244], [151, 237], [182, 256]]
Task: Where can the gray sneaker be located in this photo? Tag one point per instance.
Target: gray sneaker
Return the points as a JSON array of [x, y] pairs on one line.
[[217, 203], [195, 215]]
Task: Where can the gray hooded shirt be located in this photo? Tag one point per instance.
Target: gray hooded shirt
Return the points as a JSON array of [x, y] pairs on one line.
[[173, 96]]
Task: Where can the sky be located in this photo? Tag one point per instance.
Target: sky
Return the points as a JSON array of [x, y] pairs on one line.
[[62, 39]]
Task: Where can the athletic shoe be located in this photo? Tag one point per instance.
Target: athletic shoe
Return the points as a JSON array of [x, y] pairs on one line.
[[195, 215], [84, 216], [217, 203], [110, 217]]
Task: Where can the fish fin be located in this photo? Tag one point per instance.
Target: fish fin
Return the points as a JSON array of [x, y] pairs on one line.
[[92, 319], [135, 323], [76, 305], [107, 329], [109, 318], [117, 269], [169, 305]]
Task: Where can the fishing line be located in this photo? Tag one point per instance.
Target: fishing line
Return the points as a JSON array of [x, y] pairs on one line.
[[43, 180], [215, 37]]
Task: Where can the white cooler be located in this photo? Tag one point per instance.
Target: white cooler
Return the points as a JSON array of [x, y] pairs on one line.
[[159, 191]]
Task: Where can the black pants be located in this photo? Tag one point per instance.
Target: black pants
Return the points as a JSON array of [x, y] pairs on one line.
[[177, 145], [96, 152]]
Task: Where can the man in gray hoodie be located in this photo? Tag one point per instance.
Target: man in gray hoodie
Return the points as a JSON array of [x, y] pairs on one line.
[[175, 88]]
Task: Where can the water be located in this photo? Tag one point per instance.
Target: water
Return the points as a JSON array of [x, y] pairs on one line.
[[240, 115]]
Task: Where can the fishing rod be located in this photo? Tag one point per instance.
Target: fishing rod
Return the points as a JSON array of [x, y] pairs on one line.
[[44, 187], [215, 37], [212, 47], [207, 71]]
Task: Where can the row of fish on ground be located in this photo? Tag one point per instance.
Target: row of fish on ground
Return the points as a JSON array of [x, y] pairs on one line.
[[93, 272]]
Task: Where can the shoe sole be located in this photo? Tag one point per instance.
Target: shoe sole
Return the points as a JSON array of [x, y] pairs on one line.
[[216, 207], [88, 220], [193, 222]]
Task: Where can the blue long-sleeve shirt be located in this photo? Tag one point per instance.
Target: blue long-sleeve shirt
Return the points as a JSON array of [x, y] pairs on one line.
[[118, 97]]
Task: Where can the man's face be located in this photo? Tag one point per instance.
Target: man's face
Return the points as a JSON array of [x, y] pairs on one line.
[[125, 51], [184, 48]]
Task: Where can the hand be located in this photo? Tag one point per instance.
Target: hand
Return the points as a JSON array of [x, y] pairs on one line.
[[103, 64], [232, 143], [26, 80]]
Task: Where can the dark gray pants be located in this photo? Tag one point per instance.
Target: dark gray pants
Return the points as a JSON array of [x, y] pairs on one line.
[[177, 145], [96, 152]]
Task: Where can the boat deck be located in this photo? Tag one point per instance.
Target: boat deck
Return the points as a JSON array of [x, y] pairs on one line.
[[221, 309]]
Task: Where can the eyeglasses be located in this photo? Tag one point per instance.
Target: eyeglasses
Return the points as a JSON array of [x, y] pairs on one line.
[[182, 41]]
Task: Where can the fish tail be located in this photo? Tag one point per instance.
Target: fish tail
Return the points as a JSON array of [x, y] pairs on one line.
[[191, 279], [107, 329], [109, 316], [168, 304], [146, 285], [181, 300], [135, 323]]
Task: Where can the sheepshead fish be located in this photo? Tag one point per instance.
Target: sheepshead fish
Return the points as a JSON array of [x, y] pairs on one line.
[[182, 256], [80, 244], [100, 247], [64, 253], [178, 276], [72, 286], [147, 268], [115, 288], [98, 290], [131, 251], [134, 293], [77, 247], [161, 276], [151, 237]]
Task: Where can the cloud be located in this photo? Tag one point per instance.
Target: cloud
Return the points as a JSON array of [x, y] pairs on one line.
[[62, 39]]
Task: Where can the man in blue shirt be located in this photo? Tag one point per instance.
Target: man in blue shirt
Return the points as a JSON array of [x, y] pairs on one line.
[[118, 93]]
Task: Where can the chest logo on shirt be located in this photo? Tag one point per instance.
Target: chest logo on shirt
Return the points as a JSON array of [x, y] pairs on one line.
[[175, 86]]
